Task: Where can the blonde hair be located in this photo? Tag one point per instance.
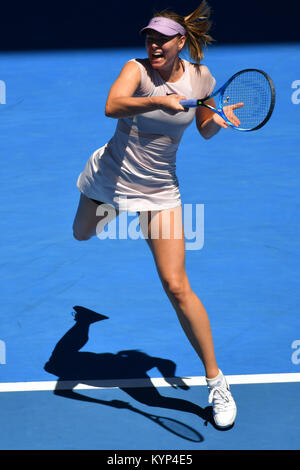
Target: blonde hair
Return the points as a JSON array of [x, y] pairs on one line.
[[197, 26]]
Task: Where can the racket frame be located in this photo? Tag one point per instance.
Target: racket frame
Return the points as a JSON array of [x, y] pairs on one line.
[[195, 103]]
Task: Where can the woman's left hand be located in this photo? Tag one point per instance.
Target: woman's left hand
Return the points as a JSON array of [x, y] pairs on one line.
[[228, 111]]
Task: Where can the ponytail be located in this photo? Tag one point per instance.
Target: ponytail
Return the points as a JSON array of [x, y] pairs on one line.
[[197, 26]]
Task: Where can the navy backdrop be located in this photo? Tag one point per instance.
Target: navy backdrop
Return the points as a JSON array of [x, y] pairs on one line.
[[94, 24]]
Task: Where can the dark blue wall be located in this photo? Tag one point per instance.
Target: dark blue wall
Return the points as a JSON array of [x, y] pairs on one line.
[[93, 24]]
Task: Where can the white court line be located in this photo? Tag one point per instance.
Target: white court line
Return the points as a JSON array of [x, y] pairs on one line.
[[156, 382]]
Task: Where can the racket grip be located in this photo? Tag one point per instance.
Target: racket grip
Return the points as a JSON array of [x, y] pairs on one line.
[[189, 103]]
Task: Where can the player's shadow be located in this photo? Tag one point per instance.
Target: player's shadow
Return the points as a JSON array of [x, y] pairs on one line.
[[74, 367]]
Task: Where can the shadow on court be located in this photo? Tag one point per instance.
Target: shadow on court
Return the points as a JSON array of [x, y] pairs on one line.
[[74, 367]]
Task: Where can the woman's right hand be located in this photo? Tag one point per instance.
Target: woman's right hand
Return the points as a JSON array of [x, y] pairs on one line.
[[171, 104]]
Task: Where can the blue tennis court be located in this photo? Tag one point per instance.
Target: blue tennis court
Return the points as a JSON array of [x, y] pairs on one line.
[[245, 270]]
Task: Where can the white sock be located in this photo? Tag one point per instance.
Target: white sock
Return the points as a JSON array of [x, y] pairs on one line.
[[217, 381]]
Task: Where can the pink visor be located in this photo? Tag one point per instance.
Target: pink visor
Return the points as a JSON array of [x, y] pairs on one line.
[[165, 26]]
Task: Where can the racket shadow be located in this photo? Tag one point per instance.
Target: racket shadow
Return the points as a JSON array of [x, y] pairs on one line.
[[74, 367], [170, 424], [173, 425]]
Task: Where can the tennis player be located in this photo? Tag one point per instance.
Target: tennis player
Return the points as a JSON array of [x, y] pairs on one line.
[[135, 170]]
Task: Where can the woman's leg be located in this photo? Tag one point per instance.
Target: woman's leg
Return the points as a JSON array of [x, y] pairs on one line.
[[166, 240], [87, 223]]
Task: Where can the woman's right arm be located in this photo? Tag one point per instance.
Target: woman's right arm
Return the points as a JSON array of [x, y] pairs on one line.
[[121, 103]]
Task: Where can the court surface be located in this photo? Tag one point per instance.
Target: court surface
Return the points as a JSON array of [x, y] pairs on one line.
[[242, 262]]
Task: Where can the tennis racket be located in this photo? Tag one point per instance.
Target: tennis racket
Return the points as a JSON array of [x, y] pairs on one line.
[[246, 101]]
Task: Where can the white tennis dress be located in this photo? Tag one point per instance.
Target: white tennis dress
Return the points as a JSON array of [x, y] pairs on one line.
[[136, 170]]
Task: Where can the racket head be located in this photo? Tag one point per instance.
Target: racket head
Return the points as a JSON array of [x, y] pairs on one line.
[[256, 90]]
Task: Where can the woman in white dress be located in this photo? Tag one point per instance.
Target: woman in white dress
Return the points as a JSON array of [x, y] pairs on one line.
[[135, 170]]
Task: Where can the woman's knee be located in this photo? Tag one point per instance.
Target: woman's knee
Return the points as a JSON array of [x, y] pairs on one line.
[[177, 285]]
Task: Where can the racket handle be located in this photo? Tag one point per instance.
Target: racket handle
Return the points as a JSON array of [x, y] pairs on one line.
[[189, 103]]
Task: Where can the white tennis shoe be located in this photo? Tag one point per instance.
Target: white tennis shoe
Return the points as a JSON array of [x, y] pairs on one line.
[[224, 407]]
